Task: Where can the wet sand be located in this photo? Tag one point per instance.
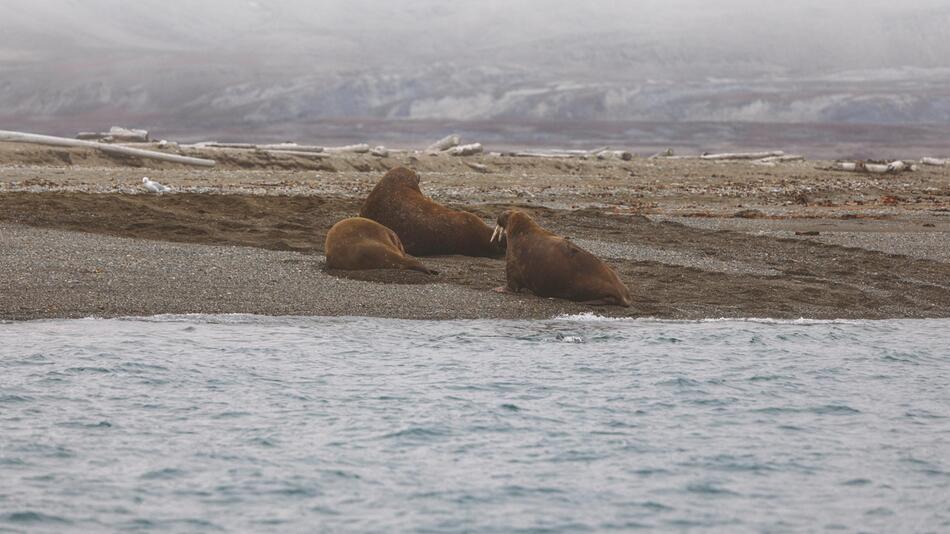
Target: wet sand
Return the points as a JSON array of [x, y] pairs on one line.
[[692, 239]]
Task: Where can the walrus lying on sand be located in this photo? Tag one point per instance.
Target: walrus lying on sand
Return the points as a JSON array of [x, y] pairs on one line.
[[551, 266], [358, 244], [426, 228]]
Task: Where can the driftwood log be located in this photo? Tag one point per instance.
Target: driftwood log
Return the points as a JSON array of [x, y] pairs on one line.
[[668, 153], [478, 167], [317, 155], [893, 167], [116, 134], [380, 152], [615, 154], [742, 155], [278, 147], [444, 144], [552, 155], [361, 148], [48, 140], [466, 150], [936, 162]]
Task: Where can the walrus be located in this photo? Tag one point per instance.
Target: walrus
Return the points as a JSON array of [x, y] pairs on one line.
[[426, 228], [552, 266], [358, 244]]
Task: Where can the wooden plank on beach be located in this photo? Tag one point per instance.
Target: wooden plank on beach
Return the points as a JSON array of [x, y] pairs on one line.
[[318, 155], [48, 140], [361, 148], [742, 155], [893, 167], [782, 159], [466, 150]]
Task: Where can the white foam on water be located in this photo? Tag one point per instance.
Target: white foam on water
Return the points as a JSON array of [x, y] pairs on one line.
[[802, 321]]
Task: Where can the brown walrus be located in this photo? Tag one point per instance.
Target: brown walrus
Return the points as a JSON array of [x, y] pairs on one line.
[[426, 228], [551, 266], [358, 244]]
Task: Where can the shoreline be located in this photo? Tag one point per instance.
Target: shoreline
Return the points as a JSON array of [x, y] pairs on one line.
[[692, 240]]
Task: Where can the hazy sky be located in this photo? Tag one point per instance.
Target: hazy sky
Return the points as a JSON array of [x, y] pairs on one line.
[[286, 61], [835, 32]]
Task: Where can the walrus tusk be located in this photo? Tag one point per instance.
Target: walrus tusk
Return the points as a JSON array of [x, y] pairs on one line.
[[499, 231]]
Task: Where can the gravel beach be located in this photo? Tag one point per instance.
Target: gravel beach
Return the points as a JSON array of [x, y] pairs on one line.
[[692, 239]]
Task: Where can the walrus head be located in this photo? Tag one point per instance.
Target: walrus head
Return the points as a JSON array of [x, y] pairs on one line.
[[510, 221], [402, 176]]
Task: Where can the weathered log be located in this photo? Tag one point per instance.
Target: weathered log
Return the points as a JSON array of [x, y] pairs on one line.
[[873, 168], [380, 152], [235, 146], [540, 155], [318, 155], [936, 162], [291, 146], [742, 155], [466, 150], [128, 135], [444, 144], [477, 166], [668, 153], [782, 159], [278, 147], [361, 148], [615, 154], [20, 137]]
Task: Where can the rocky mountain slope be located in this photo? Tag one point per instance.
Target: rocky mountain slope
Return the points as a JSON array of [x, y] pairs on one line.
[[219, 64]]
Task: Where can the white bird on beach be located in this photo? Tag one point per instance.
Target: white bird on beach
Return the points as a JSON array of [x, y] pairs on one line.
[[154, 187]]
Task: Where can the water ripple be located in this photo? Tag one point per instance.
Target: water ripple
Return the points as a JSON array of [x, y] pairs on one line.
[[582, 423]]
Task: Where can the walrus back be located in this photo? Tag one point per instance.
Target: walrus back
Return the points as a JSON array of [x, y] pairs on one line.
[[425, 227], [359, 244], [551, 266]]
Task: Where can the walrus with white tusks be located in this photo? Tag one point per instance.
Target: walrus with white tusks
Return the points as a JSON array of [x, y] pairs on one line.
[[426, 228], [359, 244], [552, 266]]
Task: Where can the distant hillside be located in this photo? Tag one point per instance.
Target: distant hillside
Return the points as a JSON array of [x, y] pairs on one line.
[[217, 64]]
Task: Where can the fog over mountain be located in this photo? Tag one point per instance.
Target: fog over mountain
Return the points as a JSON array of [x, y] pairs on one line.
[[211, 66]]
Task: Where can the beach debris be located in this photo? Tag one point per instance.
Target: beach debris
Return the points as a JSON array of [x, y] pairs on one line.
[[668, 153], [380, 152], [466, 150], [808, 233], [935, 162], [116, 134], [444, 144], [614, 154], [601, 153], [742, 155], [48, 140], [782, 159], [361, 148], [554, 155], [154, 187], [873, 167], [305, 154], [290, 147], [477, 167], [276, 147]]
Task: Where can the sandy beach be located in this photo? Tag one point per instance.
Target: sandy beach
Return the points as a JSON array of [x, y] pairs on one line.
[[692, 239]]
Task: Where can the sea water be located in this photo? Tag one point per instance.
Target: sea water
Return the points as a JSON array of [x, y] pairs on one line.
[[243, 423]]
